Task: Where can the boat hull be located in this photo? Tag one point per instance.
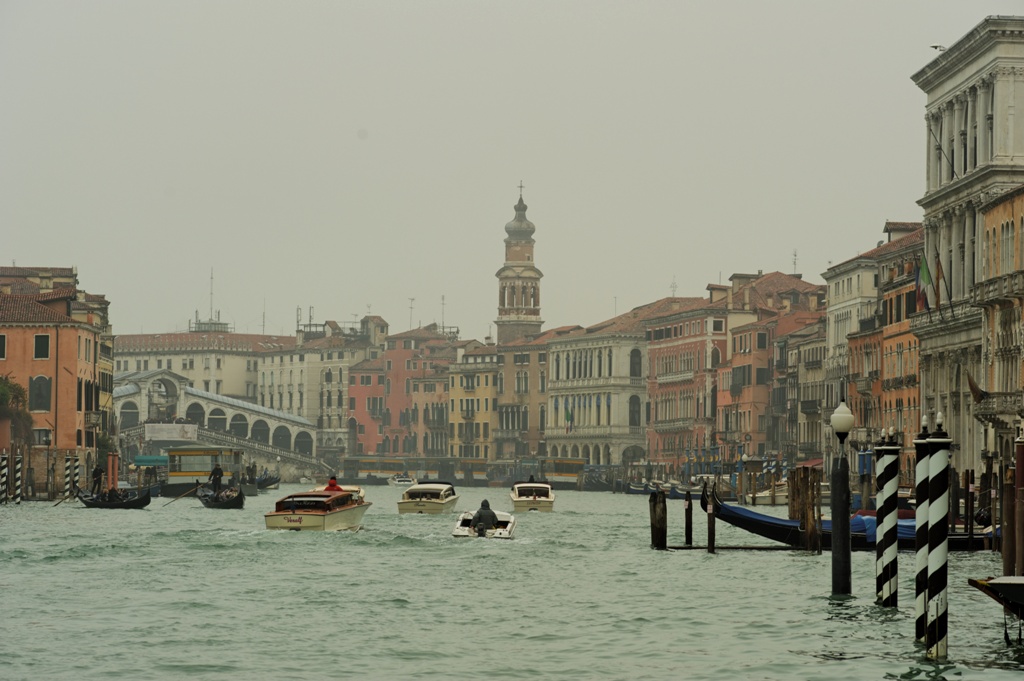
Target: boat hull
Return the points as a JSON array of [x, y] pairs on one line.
[[350, 518], [520, 505]]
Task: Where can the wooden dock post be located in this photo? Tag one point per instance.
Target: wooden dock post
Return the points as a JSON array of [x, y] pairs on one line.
[[1018, 506], [969, 508], [711, 526], [689, 518], [659, 521], [1008, 529]]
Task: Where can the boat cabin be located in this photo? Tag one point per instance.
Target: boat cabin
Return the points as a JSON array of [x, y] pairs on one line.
[[534, 491], [314, 503], [433, 491]]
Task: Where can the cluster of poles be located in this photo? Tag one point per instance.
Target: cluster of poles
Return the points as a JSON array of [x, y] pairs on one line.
[[13, 493]]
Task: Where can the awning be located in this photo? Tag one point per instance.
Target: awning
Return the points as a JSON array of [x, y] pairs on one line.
[[811, 463]]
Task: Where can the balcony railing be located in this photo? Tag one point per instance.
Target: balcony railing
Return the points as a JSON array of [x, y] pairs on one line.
[[675, 377], [996, 405], [810, 406], [468, 414]]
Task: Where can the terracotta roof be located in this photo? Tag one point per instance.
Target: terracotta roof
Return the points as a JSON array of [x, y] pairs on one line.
[[369, 365], [914, 237], [148, 342], [12, 271], [428, 332], [27, 309], [633, 321]]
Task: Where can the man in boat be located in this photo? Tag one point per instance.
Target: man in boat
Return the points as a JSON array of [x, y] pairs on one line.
[[484, 519], [97, 480], [333, 486], [215, 477]]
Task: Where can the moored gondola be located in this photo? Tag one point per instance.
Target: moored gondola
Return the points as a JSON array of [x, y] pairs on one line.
[[862, 528], [227, 498], [126, 500]]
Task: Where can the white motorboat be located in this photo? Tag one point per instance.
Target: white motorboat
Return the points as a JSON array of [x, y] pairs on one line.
[[506, 528], [532, 496], [429, 497], [781, 496], [401, 480], [319, 510]]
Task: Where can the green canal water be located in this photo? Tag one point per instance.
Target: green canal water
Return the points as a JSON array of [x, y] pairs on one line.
[[184, 592]]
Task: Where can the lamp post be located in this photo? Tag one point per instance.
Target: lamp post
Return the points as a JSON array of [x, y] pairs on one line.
[[842, 423]]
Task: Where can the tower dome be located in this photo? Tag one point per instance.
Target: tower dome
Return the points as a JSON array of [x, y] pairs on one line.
[[520, 227]]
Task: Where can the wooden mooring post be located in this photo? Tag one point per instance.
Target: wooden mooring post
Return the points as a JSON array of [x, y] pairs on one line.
[[689, 518], [659, 520], [711, 528]]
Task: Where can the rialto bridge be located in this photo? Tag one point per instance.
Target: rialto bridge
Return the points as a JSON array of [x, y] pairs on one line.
[[164, 397]]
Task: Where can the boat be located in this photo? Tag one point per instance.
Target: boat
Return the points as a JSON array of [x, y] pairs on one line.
[[429, 497], [1007, 591], [231, 497], [532, 496], [637, 488], [319, 510], [267, 481], [401, 480], [506, 528], [862, 528], [126, 500]]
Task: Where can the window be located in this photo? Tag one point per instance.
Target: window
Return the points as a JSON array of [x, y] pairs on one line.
[[42, 347], [3, 346]]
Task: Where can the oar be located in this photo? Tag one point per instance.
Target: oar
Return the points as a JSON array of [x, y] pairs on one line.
[[183, 495], [70, 496]]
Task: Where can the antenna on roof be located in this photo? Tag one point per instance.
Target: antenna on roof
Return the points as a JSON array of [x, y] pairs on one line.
[[411, 301], [310, 314], [298, 316], [442, 310], [673, 286], [794, 261]]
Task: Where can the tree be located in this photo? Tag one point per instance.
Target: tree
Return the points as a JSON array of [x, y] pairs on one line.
[[14, 406]]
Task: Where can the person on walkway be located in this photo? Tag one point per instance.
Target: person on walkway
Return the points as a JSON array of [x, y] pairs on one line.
[[484, 519], [215, 477], [333, 486], [97, 480]]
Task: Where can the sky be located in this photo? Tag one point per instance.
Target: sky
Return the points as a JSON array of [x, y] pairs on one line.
[[327, 159]]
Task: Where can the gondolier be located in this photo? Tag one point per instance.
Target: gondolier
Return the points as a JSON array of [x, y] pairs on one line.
[[97, 480], [215, 477]]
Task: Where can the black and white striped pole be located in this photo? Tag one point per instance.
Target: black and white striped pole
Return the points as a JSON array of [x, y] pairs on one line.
[[887, 476], [77, 469], [938, 542], [17, 480], [842, 423], [922, 457], [67, 476], [4, 463]]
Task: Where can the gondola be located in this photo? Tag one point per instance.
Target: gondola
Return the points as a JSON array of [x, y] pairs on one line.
[[130, 500], [267, 481], [236, 500], [1007, 591], [862, 528]]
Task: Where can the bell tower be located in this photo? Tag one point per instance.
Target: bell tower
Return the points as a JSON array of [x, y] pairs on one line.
[[518, 281]]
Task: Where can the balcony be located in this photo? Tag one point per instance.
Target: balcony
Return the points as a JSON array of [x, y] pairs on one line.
[[468, 414], [808, 448], [507, 434], [810, 407], [1000, 409], [376, 414], [467, 437], [675, 377], [673, 424], [812, 364], [863, 385]]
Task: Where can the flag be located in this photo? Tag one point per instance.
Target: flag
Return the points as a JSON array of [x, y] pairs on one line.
[[568, 417], [938, 278], [977, 393], [924, 279]]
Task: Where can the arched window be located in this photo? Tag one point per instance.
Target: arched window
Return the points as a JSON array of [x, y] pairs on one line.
[[634, 412], [635, 364], [329, 376]]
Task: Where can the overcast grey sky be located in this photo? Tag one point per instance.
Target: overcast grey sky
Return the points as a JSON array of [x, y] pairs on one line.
[[341, 155]]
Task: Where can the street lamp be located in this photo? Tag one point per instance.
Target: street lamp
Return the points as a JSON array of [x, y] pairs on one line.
[[842, 424]]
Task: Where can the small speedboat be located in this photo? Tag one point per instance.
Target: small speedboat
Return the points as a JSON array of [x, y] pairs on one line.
[[506, 528], [429, 497], [319, 509], [532, 496], [401, 480]]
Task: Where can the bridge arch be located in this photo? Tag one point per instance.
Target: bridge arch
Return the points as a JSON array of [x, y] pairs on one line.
[[304, 442], [239, 426], [218, 420], [260, 431], [282, 438], [129, 414], [196, 414]]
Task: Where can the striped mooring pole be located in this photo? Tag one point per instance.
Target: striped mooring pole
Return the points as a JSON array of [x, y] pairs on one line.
[[922, 456], [78, 465], [67, 476], [4, 463], [17, 480], [887, 476], [938, 542]]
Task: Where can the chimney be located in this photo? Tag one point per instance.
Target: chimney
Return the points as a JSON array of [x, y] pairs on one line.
[[728, 298]]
